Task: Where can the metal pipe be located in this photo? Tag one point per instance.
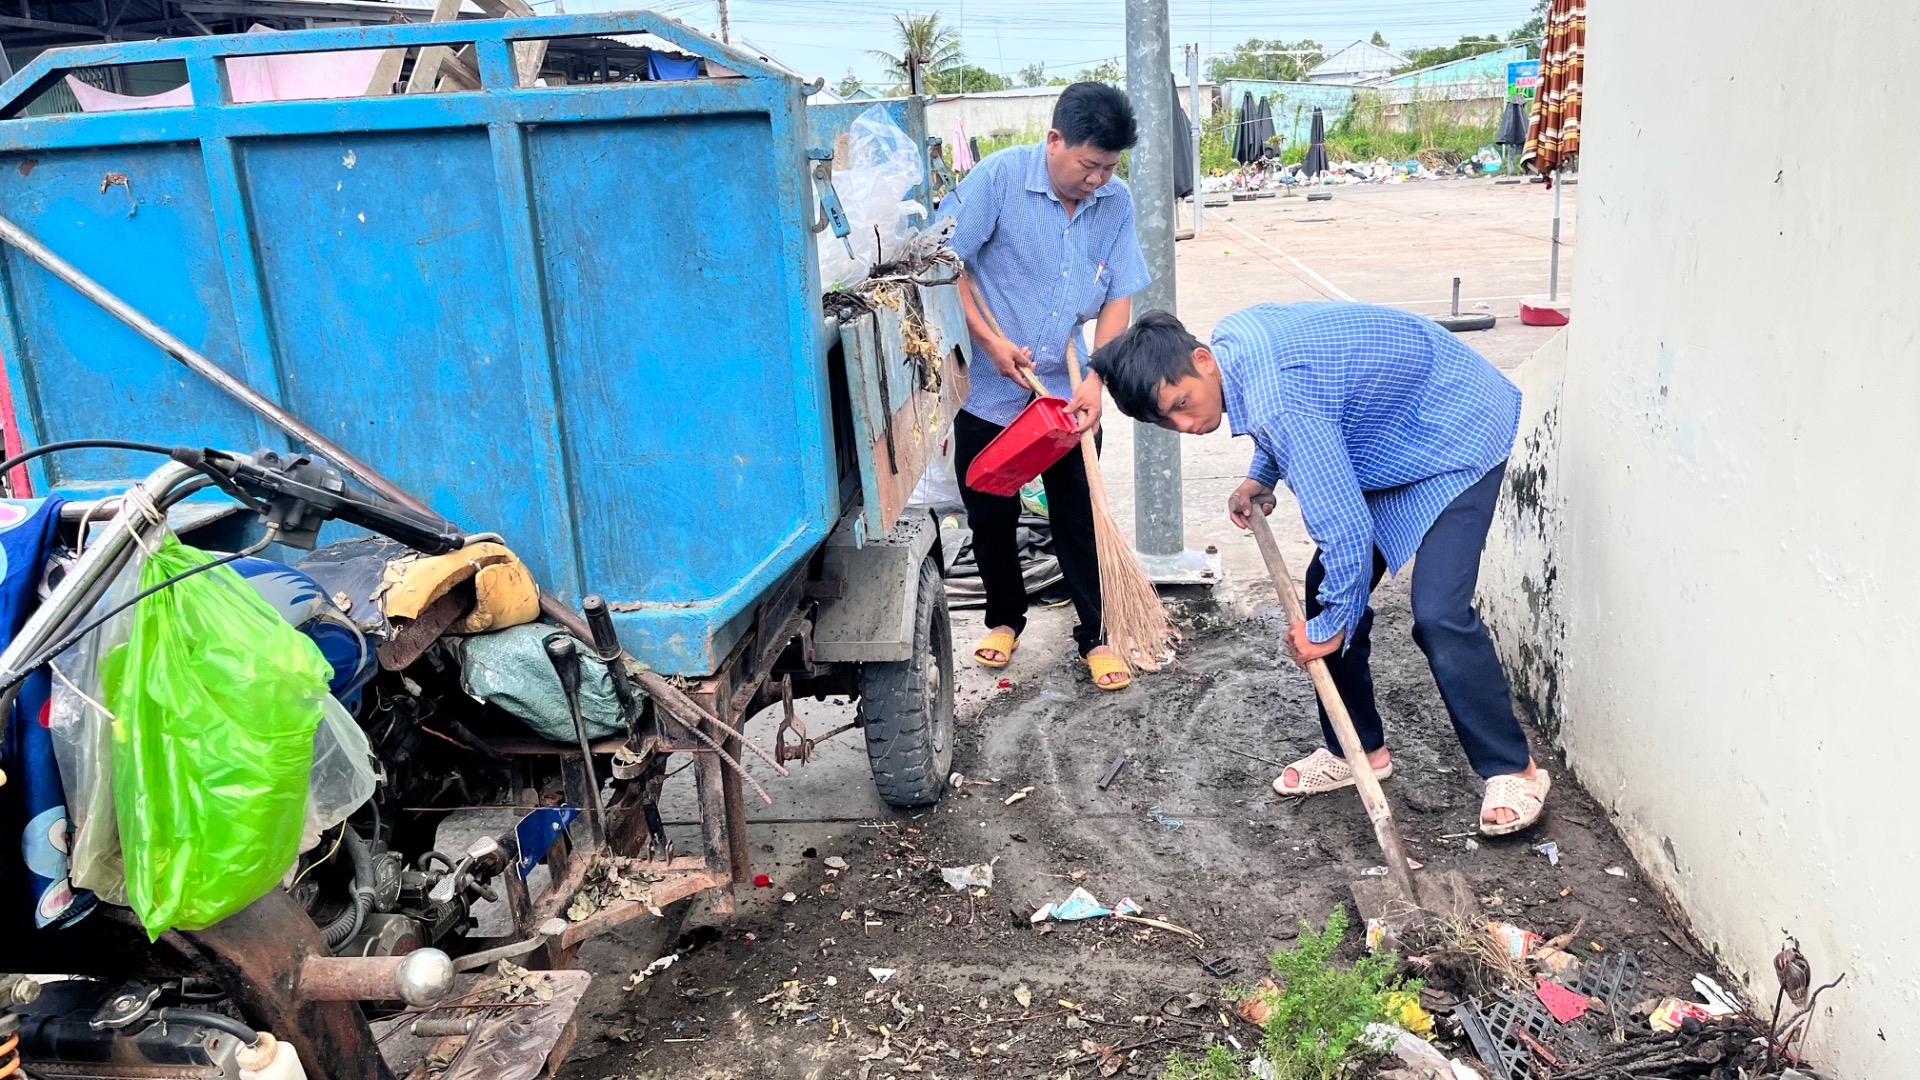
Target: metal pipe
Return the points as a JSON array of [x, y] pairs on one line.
[[228, 383], [421, 978], [1193, 107], [1158, 527], [1553, 271], [550, 605]]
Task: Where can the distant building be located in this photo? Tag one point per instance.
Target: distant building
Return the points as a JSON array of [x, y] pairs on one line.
[[1360, 62]]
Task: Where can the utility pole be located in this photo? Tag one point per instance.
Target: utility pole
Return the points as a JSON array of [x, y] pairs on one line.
[[1158, 527], [723, 23]]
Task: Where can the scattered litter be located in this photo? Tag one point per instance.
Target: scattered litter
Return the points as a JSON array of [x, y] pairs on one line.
[[1411, 1049], [1472, 844], [655, 968], [1220, 967], [788, 898], [1518, 943], [1257, 1006], [1164, 821], [834, 862], [1719, 1002], [1565, 1005], [1404, 1009], [1558, 962], [1023, 995], [1551, 850], [1672, 1012], [1381, 871], [962, 878], [1464, 1071], [956, 781], [1005, 683], [1260, 1066], [762, 881], [1081, 904], [1376, 933], [1113, 771], [881, 975], [1018, 795], [1616, 871]]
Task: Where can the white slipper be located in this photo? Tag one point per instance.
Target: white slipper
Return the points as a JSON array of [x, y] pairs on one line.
[[1525, 796], [1321, 772]]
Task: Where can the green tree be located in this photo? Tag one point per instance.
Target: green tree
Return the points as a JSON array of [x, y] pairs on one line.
[[850, 85], [1107, 71], [1468, 45], [967, 79], [1533, 29], [926, 49], [1379, 41], [1276, 60], [1034, 74], [1059, 80]]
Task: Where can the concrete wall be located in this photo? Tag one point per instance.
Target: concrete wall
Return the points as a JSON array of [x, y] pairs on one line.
[[1705, 575]]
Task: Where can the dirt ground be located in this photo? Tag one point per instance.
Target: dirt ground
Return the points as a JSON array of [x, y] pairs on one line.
[[878, 970]]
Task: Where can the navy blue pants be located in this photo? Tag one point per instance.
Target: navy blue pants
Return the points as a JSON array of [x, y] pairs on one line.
[[1448, 630]]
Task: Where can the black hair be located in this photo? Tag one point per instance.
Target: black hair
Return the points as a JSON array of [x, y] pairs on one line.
[[1093, 112], [1155, 351]]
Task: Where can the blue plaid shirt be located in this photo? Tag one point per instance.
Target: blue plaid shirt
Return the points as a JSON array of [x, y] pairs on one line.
[[1375, 418], [1042, 274]]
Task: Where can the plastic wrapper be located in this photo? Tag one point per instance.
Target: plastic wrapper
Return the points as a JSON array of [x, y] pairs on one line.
[[883, 165], [341, 781], [82, 744], [216, 703]]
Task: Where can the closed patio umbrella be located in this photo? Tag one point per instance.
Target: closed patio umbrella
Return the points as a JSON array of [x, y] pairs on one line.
[[1245, 150], [1316, 162], [1553, 138]]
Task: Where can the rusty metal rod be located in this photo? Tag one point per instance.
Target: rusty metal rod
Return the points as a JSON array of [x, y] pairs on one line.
[[366, 475]]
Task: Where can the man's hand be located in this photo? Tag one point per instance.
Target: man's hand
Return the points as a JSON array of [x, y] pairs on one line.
[[1086, 404], [1305, 651], [1249, 494], [1009, 360]]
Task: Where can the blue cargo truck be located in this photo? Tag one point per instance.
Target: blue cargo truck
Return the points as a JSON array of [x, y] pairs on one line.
[[582, 321]]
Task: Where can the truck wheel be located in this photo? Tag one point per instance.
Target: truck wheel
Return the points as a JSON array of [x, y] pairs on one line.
[[906, 706]]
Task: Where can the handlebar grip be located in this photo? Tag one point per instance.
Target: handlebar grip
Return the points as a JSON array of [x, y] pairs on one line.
[[606, 640], [566, 663], [431, 535]]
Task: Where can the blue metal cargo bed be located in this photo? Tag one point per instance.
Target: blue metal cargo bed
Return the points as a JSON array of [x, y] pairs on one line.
[[584, 317]]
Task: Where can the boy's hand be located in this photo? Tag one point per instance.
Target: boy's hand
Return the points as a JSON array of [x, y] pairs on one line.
[[1086, 404], [1249, 494], [1306, 651]]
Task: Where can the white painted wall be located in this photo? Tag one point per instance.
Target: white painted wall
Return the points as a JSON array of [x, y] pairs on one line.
[[1723, 541]]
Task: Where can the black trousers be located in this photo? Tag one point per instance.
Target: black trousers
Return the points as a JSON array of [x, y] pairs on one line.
[[996, 518], [1448, 629]]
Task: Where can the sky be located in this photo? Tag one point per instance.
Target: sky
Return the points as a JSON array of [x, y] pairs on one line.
[[828, 37]]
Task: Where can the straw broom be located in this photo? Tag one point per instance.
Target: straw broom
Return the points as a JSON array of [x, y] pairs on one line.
[[1135, 621]]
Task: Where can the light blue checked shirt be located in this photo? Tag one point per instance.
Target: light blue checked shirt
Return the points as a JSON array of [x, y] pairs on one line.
[[1375, 418], [1042, 274]]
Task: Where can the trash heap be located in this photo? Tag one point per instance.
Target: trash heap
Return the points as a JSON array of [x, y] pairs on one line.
[[1265, 178]]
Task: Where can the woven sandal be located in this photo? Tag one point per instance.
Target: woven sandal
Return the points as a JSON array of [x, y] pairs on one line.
[[1525, 796], [1000, 641], [1101, 667], [1321, 772]]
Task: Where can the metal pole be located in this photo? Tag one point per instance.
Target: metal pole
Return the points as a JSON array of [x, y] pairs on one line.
[[1157, 526], [205, 368], [1553, 272], [723, 22], [1193, 109]]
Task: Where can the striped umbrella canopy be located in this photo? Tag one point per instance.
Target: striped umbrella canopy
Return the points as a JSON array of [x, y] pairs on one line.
[[1553, 138]]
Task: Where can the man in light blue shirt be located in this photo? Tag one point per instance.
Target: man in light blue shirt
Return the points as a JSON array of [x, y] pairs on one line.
[[1394, 437], [1046, 234]]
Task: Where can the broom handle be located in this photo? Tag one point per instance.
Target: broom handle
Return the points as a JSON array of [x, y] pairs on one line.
[[1367, 784]]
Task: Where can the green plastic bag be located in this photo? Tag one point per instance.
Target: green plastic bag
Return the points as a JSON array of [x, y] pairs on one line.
[[216, 699]]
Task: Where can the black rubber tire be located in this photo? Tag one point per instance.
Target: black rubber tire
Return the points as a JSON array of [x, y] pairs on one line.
[[906, 706]]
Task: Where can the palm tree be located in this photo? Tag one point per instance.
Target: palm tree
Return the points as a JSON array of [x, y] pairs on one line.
[[926, 48]]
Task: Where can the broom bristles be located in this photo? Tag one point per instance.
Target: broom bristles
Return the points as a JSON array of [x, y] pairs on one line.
[[1136, 622]]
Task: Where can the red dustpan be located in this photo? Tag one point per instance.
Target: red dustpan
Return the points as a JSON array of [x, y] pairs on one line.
[[1042, 434]]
